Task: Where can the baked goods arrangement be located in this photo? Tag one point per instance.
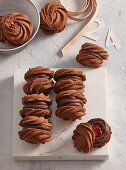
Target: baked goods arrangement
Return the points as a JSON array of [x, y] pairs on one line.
[[35, 112], [69, 88], [68, 84]]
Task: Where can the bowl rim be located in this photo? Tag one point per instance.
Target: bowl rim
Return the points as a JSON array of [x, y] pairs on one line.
[[23, 45]]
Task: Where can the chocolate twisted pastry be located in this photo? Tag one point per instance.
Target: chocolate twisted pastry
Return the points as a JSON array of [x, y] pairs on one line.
[[16, 28], [35, 122], [38, 72], [91, 55], [36, 105], [70, 112], [53, 17], [35, 136], [35, 112], [38, 86], [70, 105], [36, 98], [83, 137], [38, 80], [35, 129], [68, 79], [71, 93], [65, 74], [102, 132], [63, 85]]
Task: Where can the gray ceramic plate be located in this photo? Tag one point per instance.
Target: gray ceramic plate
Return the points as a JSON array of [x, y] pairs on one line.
[[22, 6]]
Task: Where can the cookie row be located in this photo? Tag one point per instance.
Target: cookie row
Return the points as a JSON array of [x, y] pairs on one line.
[[70, 100], [35, 112]]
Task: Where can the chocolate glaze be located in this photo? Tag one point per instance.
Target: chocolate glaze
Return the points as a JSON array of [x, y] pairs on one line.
[[106, 132], [37, 105], [38, 76], [43, 127], [75, 78], [70, 101], [90, 53]]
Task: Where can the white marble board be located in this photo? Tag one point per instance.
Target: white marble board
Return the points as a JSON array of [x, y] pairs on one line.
[[61, 146]]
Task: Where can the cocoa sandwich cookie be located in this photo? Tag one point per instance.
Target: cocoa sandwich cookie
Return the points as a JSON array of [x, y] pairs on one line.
[[95, 133], [35, 112], [34, 135], [65, 74], [63, 85], [36, 105], [35, 122], [38, 85], [91, 55], [38, 72], [70, 105], [83, 137], [38, 80], [102, 132], [68, 79], [71, 93], [70, 112], [35, 130]]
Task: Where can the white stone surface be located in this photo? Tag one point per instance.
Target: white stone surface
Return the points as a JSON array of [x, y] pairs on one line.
[[44, 50], [61, 145]]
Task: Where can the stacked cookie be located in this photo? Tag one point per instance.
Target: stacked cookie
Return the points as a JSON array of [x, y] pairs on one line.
[[39, 80], [36, 127], [91, 55], [70, 100]]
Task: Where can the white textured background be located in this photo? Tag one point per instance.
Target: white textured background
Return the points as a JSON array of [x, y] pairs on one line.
[[44, 50]]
